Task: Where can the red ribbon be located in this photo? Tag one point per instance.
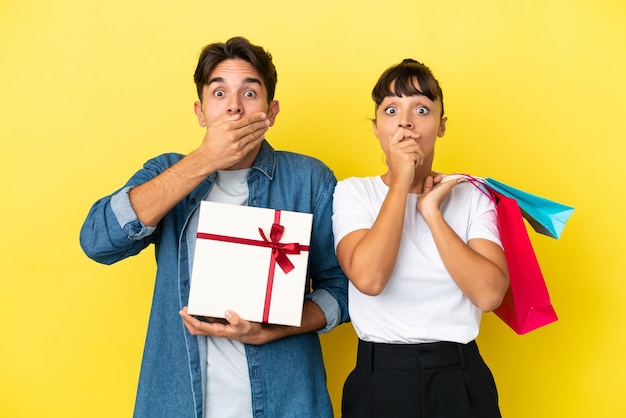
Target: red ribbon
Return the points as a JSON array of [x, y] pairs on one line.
[[279, 253]]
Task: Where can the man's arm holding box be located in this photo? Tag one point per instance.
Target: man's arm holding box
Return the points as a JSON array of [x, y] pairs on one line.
[[313, 319], [324, 308]]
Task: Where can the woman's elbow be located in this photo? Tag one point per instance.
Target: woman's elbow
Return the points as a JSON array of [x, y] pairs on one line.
[[370, 290], [368, 284], [491, 300], [490, 304]]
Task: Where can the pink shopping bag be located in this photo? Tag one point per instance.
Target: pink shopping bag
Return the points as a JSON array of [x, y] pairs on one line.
[[526, 305]]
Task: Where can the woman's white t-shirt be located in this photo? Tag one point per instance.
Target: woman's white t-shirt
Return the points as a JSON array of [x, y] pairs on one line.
[[421, 303]]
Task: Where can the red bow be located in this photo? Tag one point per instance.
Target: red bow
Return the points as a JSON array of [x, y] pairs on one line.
[[280, 251]]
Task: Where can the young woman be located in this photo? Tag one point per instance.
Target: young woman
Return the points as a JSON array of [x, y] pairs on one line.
[[424, 260]]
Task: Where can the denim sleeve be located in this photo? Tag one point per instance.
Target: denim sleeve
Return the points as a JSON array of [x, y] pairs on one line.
[[329, 305], [329, 283], [111, 232], [126, 216]]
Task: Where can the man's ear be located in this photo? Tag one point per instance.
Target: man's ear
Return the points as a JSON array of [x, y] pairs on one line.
[[197, 108], [272, 111], [442, 127]]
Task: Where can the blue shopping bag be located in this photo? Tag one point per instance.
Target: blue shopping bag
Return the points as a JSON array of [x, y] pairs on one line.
[[545, 216]]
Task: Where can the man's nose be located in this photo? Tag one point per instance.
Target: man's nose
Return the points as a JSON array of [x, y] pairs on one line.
[[234, 106], [406, 123]]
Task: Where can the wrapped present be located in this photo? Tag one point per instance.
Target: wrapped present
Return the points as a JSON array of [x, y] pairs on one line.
[[252, 261]]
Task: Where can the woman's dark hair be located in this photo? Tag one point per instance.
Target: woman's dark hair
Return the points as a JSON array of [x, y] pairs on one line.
[[403, 77], [236, 48]]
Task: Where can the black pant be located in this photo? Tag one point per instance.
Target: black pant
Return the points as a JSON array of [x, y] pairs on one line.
[[435, 380]]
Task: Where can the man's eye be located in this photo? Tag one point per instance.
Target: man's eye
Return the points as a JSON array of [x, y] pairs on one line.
[[422, 110], [250, 93], [218, 93], [390, 110]]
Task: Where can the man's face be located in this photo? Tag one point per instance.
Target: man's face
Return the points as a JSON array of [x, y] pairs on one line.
[[234, 87]]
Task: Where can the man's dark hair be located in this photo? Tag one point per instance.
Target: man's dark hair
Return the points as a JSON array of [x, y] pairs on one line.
[[236, 48]]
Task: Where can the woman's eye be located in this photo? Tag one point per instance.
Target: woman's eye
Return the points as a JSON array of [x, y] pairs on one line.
[[390, 110], [250, 93], [422, 110]]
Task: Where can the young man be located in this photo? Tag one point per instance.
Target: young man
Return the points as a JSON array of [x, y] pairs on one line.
[[193, 368]]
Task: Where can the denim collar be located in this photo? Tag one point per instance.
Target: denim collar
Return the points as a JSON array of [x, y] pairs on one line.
[[265, 160], [265, 163]]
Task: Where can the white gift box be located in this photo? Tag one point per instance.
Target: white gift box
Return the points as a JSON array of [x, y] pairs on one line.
[[244, 261]]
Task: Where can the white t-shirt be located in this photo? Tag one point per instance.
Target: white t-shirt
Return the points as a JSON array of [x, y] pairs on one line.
[[227, 392], [421, 303]]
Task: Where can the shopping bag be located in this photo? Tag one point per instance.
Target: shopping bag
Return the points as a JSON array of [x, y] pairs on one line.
[[526, 305], [545, 216]]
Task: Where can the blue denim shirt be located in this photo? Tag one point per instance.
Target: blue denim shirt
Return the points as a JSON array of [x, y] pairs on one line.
[[287, 375]]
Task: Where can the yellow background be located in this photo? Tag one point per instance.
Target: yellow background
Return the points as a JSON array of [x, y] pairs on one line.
[[535, 93]]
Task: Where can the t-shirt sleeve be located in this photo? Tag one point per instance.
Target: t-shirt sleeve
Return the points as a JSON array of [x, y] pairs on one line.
[[352, 209], [484, 219]]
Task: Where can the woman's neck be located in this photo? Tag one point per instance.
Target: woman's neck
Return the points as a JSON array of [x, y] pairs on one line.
[[417, 185]]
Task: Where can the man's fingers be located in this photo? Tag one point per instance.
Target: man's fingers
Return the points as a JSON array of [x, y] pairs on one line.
[[251, 119], [242, 124], [250, 129], [235, 322]]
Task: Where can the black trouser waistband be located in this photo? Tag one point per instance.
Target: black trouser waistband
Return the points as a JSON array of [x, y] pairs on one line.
[[414, 356]]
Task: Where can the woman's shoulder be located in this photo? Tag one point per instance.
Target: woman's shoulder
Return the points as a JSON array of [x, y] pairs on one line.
[[360, 187], [372, 181], [472, 195]]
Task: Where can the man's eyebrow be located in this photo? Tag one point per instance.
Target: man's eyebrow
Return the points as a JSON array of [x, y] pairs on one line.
[[247, 80], [215, 80]]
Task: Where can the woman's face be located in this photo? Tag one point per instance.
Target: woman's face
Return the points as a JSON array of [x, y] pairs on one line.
[[410, 117]]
